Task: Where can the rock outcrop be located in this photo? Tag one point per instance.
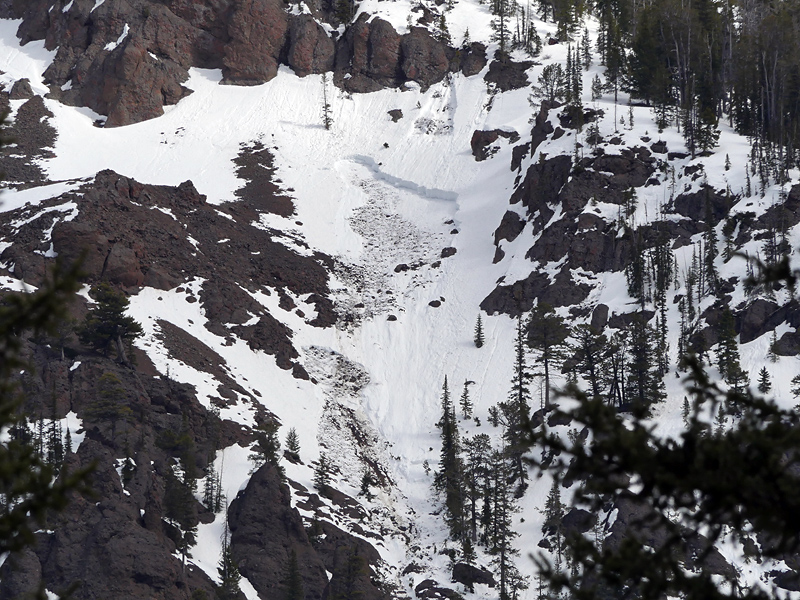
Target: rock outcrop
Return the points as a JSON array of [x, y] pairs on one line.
[[129, 59]]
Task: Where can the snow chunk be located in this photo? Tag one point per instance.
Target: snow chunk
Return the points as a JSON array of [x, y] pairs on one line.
[[112, 45], [96, 4], [68, 6]]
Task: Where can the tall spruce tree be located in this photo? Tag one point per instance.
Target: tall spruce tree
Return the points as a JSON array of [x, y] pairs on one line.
[[478, 338], [547, 334], [449, 476]]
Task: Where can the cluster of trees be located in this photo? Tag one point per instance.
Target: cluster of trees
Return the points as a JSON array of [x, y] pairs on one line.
[[477, 483]]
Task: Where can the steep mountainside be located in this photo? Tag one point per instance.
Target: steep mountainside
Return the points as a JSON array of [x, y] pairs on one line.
[[307, 207]]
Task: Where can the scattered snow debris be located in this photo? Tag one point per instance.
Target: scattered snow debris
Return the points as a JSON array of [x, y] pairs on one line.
[[75, 365], [68, 6], [97, 3], [112, 45]]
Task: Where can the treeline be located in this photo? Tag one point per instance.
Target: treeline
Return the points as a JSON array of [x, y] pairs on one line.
[[697, 61]]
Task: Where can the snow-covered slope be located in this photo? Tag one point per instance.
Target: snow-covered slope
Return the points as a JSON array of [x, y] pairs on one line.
[[409, 216]]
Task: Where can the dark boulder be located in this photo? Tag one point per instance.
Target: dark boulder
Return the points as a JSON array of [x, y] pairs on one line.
[[470, 575], [506, 75]]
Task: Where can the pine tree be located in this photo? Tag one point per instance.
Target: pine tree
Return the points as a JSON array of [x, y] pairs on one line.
[[293, 441], [502, 533], [465, 402], [795, 389], [210, 487], [294, 582], [229, 575], [764, 381], [327, 119], [590, 354], [728, 352], [476, 472], [110, 403], [516, 410], [449, 476], [268, 446], [586, 50], [547, 335], [106, 325], [772, 355], [367, 481], [180, 509], [322, 473], [552, 527], [479, 332]]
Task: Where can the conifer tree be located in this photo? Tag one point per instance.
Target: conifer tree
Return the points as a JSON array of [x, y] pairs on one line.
[[728, 352], [179, 507], [547, 335], [764, 381], [106, 324], [228, 571], [210, 487], [322, 473], [110, 403], [476, 472], [502, 532], [586, 50], [293, 441], [294, 582], [479, 332], [515, 412], [465, 401], [268, 446], [591, 353], [327, 119], [367, 481], [449, 476]]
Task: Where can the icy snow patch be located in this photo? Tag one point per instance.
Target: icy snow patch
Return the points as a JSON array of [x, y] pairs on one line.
[[112, 45]]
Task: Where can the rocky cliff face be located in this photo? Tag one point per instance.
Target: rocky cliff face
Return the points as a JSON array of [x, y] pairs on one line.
[[127, 60]]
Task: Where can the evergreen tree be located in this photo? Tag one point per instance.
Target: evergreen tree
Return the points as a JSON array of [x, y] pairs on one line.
[[476, 473], [728, 352], [552, 527], [106, 324], [268, 446], [180, 509], [294, 582], [293, 441], [367, 481], [229, 575], [551, 83], [547, 335], [516, 410], [210, 487], [110, 402], [591, 353], [586, 50], [449, 476], [322, 473], [764, 381], [644, 386], [479, 332], [465, 402], [502, 532], [327, 119]]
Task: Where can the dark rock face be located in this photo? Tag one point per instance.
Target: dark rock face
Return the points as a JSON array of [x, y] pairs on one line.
[[132, 235], [706, 201], [469, 575], [258, 31], [127, 60], [481, 142], [262, 540], [114, 542], [34, 137], [506, 74]]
